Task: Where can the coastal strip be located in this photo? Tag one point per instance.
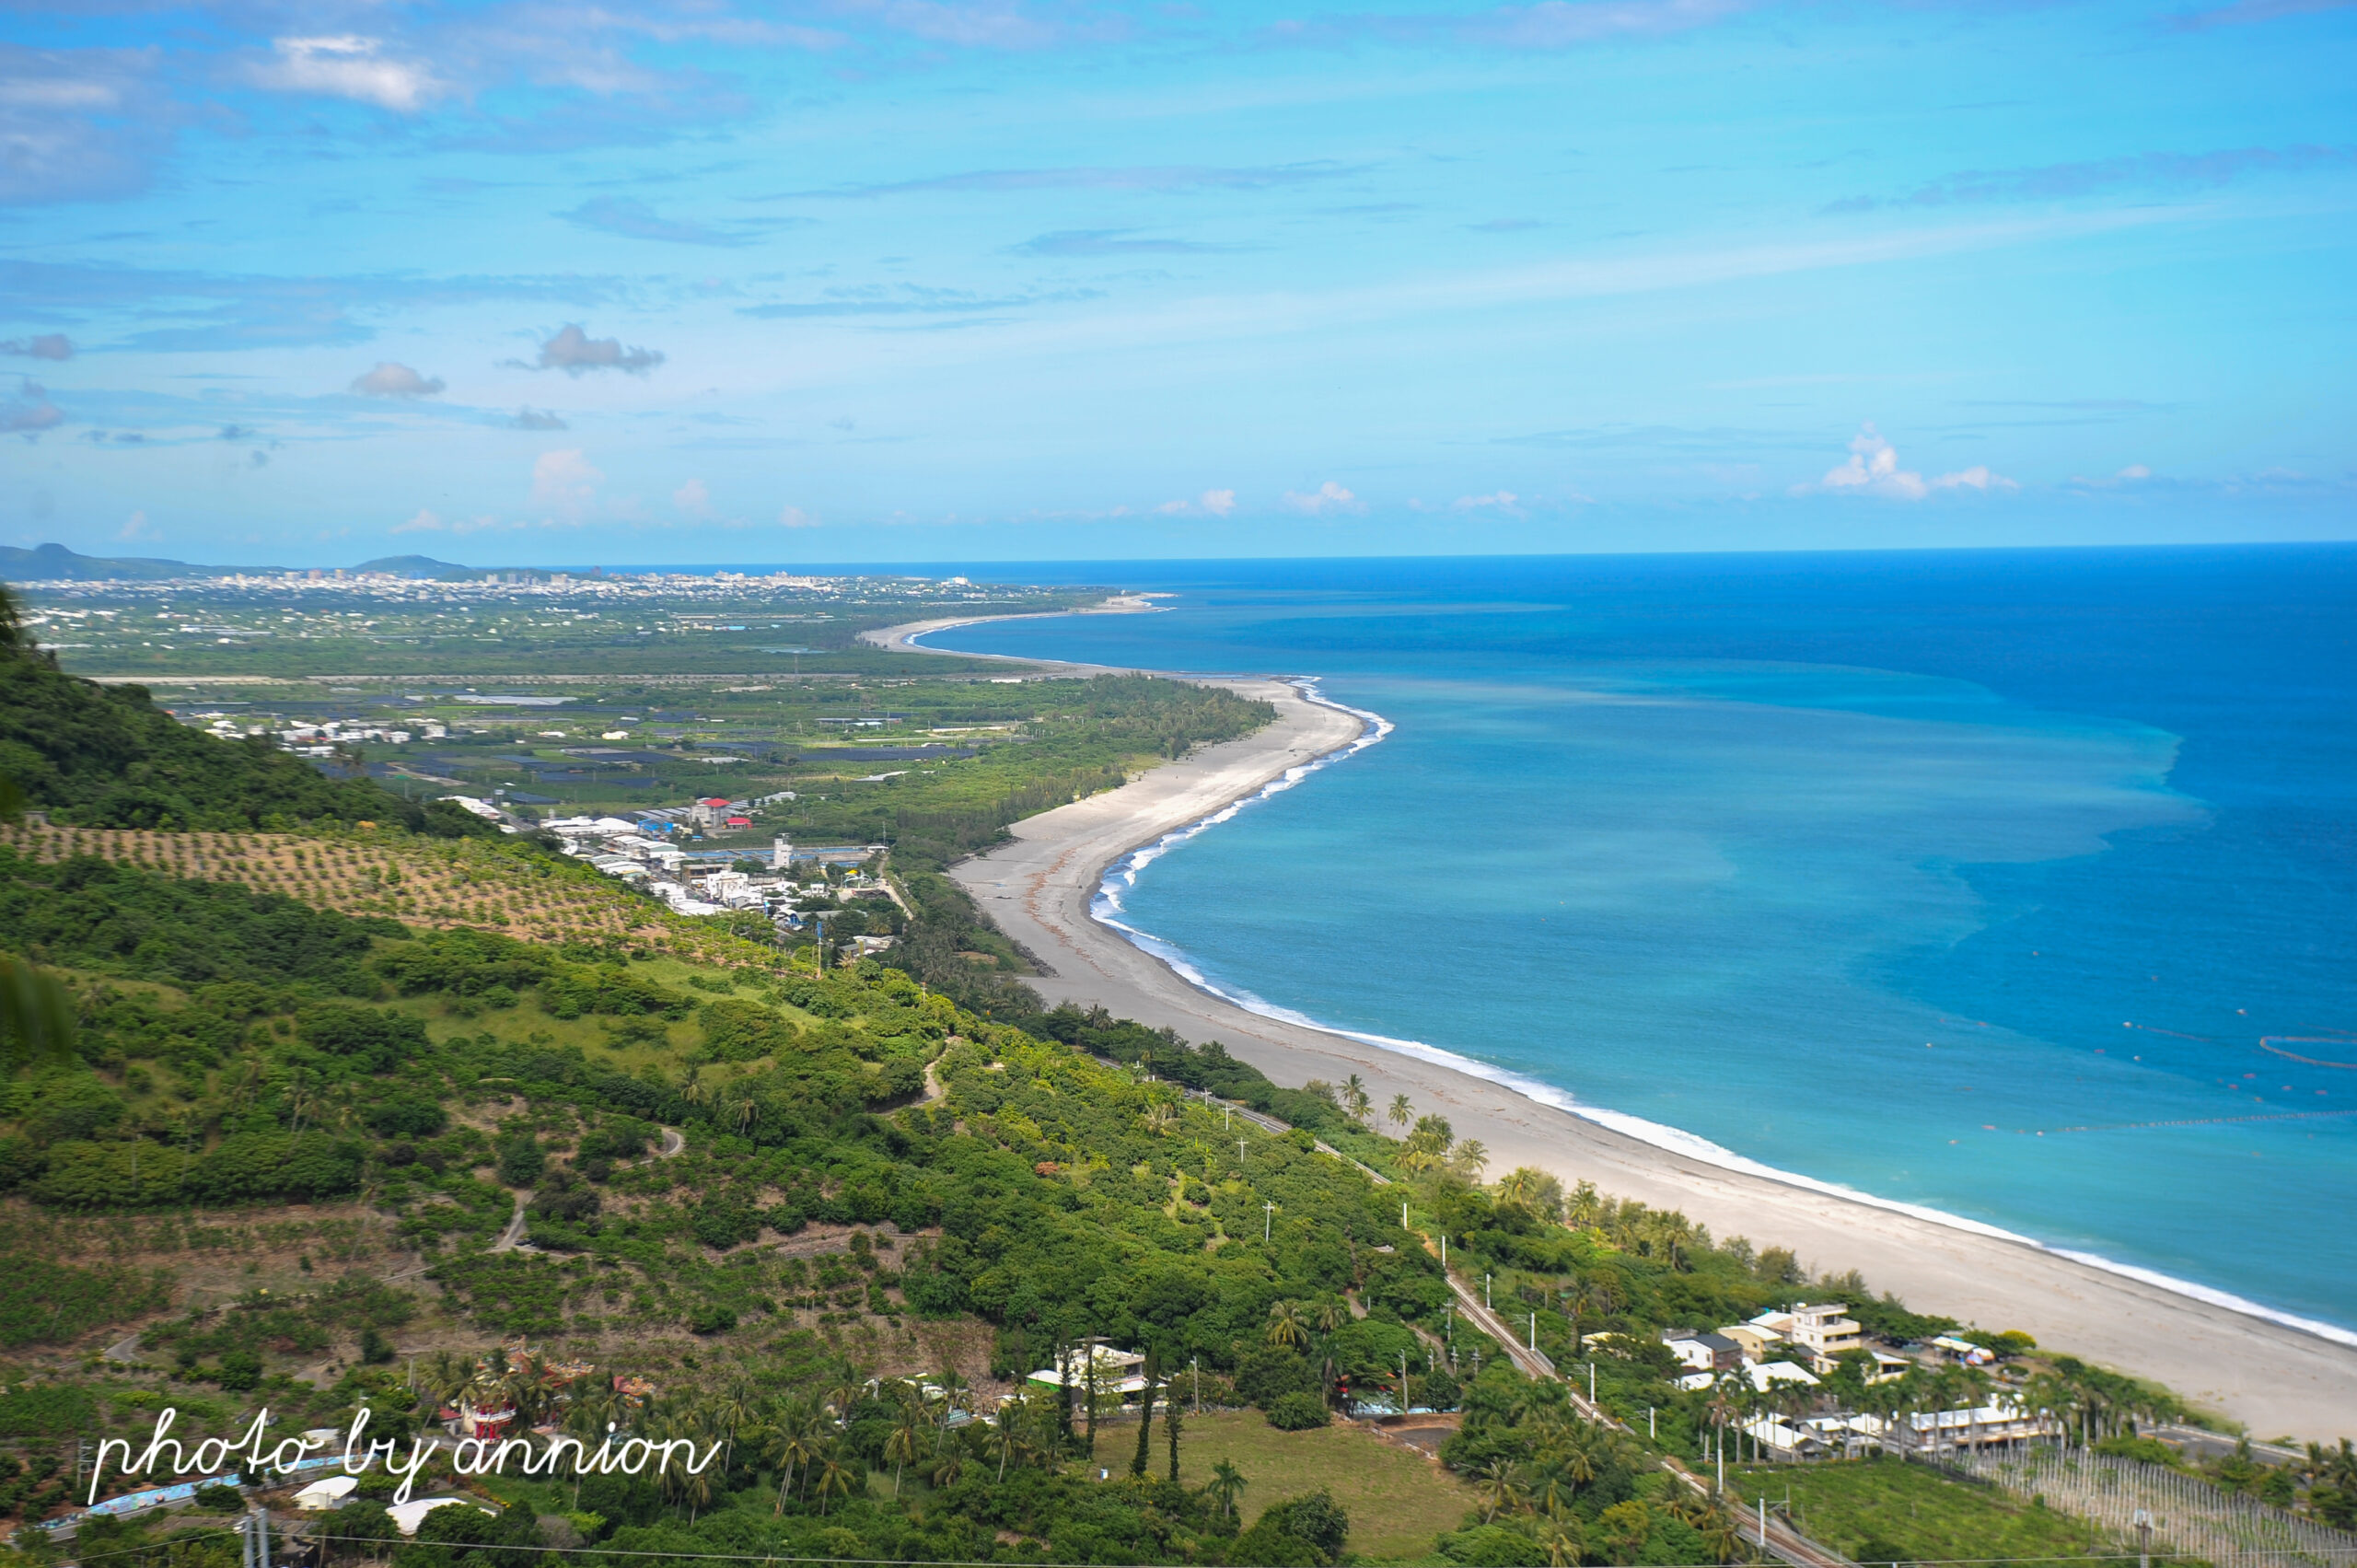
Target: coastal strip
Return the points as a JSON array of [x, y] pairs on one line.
[[2275, 1377]]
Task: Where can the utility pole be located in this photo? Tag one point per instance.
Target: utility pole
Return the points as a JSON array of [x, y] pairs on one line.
[[1267, 1218], [1534, 1330], [1239, 1150], [1591, 1382], [1485, 1293], [1196, 1364], [1650, 1431], [1764, 1521], [2143, 1523]]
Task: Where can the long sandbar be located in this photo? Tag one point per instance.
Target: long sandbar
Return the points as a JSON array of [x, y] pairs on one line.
[[2276, 1379]]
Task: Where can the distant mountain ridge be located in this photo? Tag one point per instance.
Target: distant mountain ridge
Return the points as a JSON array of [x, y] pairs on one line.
[[56, 563], [421, 566]]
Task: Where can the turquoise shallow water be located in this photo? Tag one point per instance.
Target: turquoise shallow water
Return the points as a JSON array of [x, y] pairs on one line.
[[1982, 882]]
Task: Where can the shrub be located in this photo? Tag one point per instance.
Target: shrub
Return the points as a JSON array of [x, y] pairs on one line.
[[1298, 1412], [1491, 1546], [1316, 1519], [521, 1159], [1272, 1372], [239, 1371]]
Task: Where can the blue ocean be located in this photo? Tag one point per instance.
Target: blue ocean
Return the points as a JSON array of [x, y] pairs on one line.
[[2020, 886]]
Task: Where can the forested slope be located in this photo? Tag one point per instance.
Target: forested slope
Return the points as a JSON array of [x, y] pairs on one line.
[[106, 756]]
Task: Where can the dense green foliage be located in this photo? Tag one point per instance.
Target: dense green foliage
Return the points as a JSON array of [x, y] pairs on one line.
[[92, 913], [106, 756]]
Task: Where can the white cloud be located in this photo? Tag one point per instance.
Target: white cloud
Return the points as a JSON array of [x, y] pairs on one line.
[[692, 498], [1218, 502], [1327, 497], [392, 379], [424, 522], [795, 518], [136, 528], [1873, 469], [530, 418], [2134, 471], [1505, 501], [564, 482], [347, 67]]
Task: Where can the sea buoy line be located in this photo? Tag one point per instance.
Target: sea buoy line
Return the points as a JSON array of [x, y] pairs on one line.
[[2180, 1121], [2266, 1045]]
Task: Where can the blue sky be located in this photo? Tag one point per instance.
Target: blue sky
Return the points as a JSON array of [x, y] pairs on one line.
[[702, 280]]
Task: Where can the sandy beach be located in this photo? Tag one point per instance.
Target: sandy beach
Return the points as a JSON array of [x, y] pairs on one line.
[[2276, 1379]]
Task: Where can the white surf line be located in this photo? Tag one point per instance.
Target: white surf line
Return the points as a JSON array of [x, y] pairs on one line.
[[1124, 871], [1106, 908]]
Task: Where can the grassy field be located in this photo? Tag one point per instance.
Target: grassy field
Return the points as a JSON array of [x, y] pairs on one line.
[[1883, 1511], [1398, 1501]]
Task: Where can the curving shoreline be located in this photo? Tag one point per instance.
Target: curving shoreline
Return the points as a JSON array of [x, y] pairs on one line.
[[2275, 1377]]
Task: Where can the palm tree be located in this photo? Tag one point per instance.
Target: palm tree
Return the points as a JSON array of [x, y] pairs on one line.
[[1227, 1484], [793, 1447], [1355, 1098], [1286, 1327], [1502, 1488], [833, 1480], [1008, 1437], [1161, 1119], [1468, 1158], [1401, 1111], [1560, 1539], [906, 1441]]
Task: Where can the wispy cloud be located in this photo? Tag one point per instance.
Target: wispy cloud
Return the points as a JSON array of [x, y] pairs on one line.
[[529, 418], [1505, 501], [1153, 178], [1549, 24], [190, 311], [30, 412], [2061, 181], [636, 220], [2243, 13], [1327, 498], [1113, 242], [48, 345], [348, 67], [79, 126], [1215, 502], [563, 483], [909, 299], [1873, 469]]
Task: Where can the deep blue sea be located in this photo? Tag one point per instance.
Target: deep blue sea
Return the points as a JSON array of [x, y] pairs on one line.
[[2000, 883]]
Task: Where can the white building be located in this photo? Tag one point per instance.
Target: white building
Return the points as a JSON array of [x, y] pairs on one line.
[[1121, 1374]]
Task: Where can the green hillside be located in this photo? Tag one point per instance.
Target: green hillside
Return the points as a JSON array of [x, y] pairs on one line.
[[106, 756]]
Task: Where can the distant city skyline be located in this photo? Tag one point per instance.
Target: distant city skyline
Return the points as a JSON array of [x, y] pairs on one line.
[[878, 280]]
